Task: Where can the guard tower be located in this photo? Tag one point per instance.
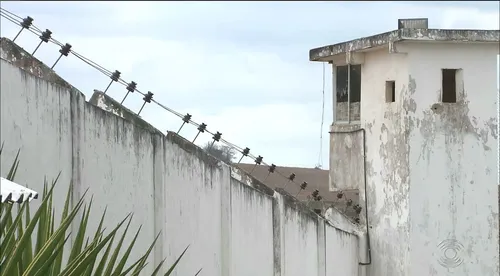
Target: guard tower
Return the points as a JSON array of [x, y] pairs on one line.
[[415, 129]]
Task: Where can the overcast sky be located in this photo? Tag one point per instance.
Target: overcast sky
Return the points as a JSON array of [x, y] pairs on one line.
[[240, 67]]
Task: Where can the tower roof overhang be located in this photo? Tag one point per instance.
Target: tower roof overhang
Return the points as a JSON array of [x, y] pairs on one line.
[[327, 53]]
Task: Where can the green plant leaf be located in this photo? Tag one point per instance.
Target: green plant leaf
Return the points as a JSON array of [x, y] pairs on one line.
[[96, 236], [13, 168], [82, 265], [41, 237], [112, 261], [157, 269], [53, 242], [124, 273], [4, 223], [20, 213], [104, 258], [19, 257], [46, 265], [9, 235], [145, 257], [8, 266], [123, 261], [56, 268], [28, 250], [78, 242], [176, 262]]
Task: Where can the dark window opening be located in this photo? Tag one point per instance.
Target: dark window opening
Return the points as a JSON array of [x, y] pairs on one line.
[[355, 85], [390, 91], [449, 86]]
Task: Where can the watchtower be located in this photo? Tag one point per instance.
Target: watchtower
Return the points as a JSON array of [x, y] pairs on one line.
[[415, 129]]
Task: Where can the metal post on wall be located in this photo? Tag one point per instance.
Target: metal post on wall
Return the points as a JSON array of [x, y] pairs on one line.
[[349, 93], [334, 91]]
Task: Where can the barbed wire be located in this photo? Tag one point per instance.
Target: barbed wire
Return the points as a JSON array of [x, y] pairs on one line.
[[66, 49]]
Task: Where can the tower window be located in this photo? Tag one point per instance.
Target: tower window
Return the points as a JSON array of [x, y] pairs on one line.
[[449, 86], [390, 91], [343, 79]]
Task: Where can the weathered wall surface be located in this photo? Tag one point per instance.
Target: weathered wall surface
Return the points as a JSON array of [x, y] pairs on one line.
[[233, 224], [346, 144], [113, 153], [342, 113], [341, 251], [52, 126], [431, 167], [251, 231], [300, 235], [385, 165], [453, 161], [386, 162]]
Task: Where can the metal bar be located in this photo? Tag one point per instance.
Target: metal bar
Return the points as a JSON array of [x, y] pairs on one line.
[[56, 61], [183, 123], [37, 47], [308, 202], [109, 85], [334, 91], [253, 168], [242, 156], [196, 136], [141, 108], [268, 174], [211, 145], [349, 93], [18, 34], [125, 97]]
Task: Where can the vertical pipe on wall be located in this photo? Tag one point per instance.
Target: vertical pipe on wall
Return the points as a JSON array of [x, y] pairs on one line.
[[334, 91], [349, 93]]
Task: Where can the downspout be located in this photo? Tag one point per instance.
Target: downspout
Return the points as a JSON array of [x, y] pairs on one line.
[[368, 244], [349, 93], [334, 91], [334, 97]]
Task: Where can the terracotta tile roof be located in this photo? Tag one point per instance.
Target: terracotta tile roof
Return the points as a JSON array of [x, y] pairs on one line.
[[315, 178]]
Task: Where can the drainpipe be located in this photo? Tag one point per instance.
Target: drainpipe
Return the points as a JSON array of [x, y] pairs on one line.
[[334, 91], [368, 243], [349, 93]]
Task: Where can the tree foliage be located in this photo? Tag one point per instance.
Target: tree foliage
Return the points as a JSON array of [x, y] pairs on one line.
[[222, 152]]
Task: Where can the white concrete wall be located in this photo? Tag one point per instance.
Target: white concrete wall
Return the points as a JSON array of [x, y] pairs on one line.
[[300, 235], [386, 165], [233, 224], [341, 252], [42, 134], [453, 161], [193, 209], [117, 167], [251, 231], [431, 168]]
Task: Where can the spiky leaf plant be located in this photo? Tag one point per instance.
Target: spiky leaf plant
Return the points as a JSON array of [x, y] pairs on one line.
[[87, 255]]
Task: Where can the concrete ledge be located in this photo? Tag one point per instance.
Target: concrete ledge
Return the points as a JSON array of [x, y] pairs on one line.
[[193, 149], [17, 56], [343, 128], [337, 219], [325, 53], [245, 178], [105, 102], [299, 206]]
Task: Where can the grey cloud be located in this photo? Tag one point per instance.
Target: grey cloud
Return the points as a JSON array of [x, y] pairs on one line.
[[211, 74]]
